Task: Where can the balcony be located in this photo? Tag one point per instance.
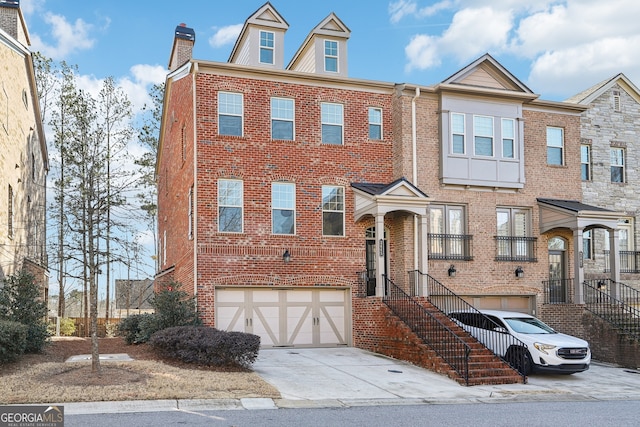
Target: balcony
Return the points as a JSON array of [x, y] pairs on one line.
[[450, 246], [629, 262], [516, 248]]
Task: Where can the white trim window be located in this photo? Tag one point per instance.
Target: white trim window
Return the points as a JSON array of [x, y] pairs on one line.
[[587, 244], [266, 47], [230, 113], [230, 205], [447, 226], [332, 210], [483, 135], [375, 123], [508, 138], [513, 238], [458, 137], [331, 56], [332, 123], [555, 146], [617, 165], [283, 208], [282, 119], [585, 162]]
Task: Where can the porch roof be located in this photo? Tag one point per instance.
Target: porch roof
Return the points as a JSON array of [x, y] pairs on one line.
[[572, 214], [381, 198]]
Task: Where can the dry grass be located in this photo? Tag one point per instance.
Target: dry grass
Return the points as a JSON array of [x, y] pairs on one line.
[[48, 379]]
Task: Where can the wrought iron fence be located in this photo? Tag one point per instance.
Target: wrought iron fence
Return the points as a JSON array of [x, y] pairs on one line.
[[621, 315], [516, 248], [450, 246], [447, 301], [629, 261], [453, 350], [557, 291]]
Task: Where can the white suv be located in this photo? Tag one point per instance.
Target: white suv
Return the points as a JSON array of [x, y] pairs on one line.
[[544, 349]]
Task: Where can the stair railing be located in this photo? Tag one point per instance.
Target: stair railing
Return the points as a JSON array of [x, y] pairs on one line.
[[438, 336], [617, 312], [447, 301]]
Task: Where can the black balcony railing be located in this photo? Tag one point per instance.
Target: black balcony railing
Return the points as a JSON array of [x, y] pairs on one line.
[[438, 336], [516, 248], [629, 261], [450, 246]]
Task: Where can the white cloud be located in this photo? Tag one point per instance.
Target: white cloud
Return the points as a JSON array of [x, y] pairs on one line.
[[28, 7], [400, 9], [225, 35], [69, 37], [422, 52]]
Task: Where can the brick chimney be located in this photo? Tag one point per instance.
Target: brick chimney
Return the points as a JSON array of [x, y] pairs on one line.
[[182, 49], [9, 17]]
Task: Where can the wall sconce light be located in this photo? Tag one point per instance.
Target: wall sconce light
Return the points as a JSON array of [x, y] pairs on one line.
[[286, 256], [451, 271], [519, 272]]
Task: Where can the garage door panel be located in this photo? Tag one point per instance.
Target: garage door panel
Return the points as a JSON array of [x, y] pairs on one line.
[[286, 317]]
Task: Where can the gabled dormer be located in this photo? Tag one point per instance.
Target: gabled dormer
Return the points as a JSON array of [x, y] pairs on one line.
[[482, 127], [261, 41], [324, 51]]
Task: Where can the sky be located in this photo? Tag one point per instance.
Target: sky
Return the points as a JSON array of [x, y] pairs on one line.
[[557, 48]]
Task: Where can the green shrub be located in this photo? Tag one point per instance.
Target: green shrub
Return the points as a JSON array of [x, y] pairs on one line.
[[21, 301], [67, 327], [13, 340], [173, 307], [206, 346]]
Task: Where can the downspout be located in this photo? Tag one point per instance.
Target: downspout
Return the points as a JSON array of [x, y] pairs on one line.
[[194, 197], [414, 177]]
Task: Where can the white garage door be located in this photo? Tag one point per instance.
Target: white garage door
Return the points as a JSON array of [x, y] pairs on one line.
[[298, 317]]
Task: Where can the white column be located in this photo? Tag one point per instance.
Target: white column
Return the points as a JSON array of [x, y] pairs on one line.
[[614, 262], [423, 255], [578, 289], [380, 251]]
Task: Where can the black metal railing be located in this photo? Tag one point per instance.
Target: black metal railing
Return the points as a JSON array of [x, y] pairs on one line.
[[450, 246], [447, 301], [617, 312], [516, 248], [453, 350], [557, 291], [625, 293], [629, 261]]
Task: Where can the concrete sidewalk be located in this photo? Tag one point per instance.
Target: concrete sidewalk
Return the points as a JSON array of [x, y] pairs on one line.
[[344, 377]]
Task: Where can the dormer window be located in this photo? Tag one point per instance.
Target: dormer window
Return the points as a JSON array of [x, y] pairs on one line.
[[266, 47], [331, 56]]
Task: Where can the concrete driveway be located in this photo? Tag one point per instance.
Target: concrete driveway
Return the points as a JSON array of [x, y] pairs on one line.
[[349, 376]]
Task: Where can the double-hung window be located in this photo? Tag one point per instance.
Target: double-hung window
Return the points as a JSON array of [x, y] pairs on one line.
[[617, 164], [331, 56], [230, 111], [587, 244], [282, 118], [585, 162], [555, 146], [332, 123], [513, 240], [483, 135], [447, 238], [283, 207], [508, 138], [375, 123], [332, 210], [266, 47], [457, 133], [230, 205]]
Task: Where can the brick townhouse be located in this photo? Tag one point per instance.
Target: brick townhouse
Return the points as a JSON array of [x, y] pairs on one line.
[[290, 197]]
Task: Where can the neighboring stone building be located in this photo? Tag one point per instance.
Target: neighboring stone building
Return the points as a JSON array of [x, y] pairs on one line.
[[610, 154], [292, 199], [24, 160]]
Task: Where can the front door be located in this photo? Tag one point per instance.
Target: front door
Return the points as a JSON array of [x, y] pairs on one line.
[[557, 282], [371, 248]]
